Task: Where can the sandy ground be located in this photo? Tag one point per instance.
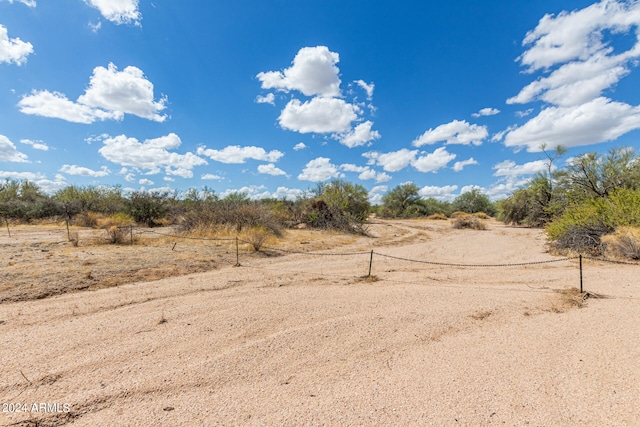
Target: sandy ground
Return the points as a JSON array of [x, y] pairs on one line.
[[302, 340]]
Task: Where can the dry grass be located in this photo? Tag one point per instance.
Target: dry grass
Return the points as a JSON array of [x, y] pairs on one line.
[[481, 215], [438, 216], [468, 222], [624, 243]]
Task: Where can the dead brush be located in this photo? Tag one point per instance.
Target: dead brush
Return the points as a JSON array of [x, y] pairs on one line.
[[624, 243], [256, 237], [469, 222], [438, 217], [573, 298]]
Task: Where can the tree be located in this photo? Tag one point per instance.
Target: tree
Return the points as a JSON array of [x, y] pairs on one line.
[[403, 200], [474, 201], [590, 175], [148, 207], [339, 205]]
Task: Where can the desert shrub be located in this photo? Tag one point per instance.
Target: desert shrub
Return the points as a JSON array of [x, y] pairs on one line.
[[459, 214], [256, 237], [116, 228], [148, 208], [469, 221], [437, 216], [481, 215], [624, 243], [338, 205], [87, 219], [230, 214], [582, 225]]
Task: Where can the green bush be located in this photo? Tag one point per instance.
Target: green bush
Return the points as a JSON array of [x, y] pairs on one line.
[[582, 225]]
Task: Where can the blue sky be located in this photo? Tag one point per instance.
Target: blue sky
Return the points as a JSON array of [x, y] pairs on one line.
[[271, 98]]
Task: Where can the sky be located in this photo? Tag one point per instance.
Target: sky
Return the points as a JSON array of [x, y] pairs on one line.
[[272, 98]]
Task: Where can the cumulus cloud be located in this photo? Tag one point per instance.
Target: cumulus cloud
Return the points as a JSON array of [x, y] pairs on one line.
[[360, 135], [299, 146], [211, 177], [593, 122], [238, 154], [36, 145], [118, 11], [145, 181], [9, 152], [319, 115], [444, 193], [511, 169], [458, 166], [313, 72], [455, 132], [82, 171], [151, 155], [267, 99], [318, 170], [433, 162], [392, 161], [486, 112], [366, 173], [579, 61], [377, 193], [421, 161], [13, 50], [271, 169], [111, 94]]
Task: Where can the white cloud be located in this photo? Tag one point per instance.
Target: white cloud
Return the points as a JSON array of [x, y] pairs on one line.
[[29, 176], [254, 192], [596, 121], [432, 162], [150, 155], [444, 193], [509, 168], [360, 135], [486, 112], [368, 87], [13, 50], [267, 99], [271, 169], [574, 83], [577, 35], [9, 152], [393, 161], [82, 171], [313, 72], [299, 146], [455, 132], [145, 181], [111, 94], [237, 154], [580, 62], [211, 177], [318, 170], [118, 11], [130, 177], [36, 145], [319, 115], [288, 193], [524, 113], [30, 3], [366, 173], [458, 166], [377, 193]]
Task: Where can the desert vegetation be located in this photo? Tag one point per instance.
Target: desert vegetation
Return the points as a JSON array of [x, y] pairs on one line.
[[592, 205]]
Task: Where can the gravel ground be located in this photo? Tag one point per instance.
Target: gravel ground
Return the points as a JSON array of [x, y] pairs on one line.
[[301, 340]]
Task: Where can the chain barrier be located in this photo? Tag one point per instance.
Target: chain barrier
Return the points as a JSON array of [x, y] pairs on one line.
[[142, 231], [446, 264], [611, 261]]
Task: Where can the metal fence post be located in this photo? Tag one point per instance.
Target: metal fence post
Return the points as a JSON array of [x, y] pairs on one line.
[[580, 273], [237, 253], [131, 233], [370, 263]]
